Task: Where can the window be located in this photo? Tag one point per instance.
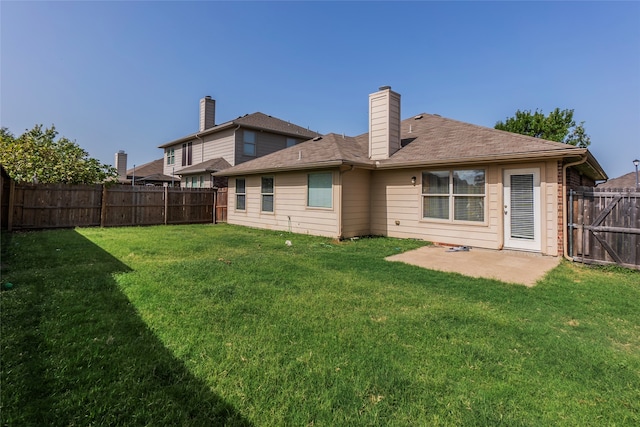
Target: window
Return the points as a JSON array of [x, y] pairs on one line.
[[195, 181], [319, 190], [457, 194], [291, 142], [267, 193], [249, 146], [241, 194], [171, 156], [186, 154]]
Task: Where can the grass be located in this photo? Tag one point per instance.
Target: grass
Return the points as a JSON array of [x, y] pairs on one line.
[[223, 325]]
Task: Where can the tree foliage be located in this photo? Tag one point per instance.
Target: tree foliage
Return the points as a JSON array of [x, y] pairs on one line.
[[36, 156], [558, 126]]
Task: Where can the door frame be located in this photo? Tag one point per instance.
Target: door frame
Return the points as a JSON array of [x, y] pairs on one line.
[[535, 244]]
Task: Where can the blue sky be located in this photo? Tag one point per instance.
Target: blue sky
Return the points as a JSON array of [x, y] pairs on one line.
[[129, 75]]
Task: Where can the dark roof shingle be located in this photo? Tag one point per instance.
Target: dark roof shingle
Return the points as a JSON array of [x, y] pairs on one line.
[[427, 139]]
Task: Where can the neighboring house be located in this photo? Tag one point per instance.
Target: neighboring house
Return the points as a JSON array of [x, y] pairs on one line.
[[425, 177], [195, 157], [626, 181], [145, 174]]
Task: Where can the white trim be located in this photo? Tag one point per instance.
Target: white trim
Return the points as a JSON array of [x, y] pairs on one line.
[[510, 242]]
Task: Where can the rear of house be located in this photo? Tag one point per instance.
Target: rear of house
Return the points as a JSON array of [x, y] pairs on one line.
[[425, 177]]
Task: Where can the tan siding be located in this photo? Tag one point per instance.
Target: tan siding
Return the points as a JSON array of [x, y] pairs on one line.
[[356, 202], [220, 144], [266, 143], [290, 207], [395, 199], [549, 181], [169, 169]]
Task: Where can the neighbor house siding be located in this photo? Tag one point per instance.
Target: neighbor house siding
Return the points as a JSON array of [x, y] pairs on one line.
[[290, 212], [356, 203], [266, 143], [220, 145]]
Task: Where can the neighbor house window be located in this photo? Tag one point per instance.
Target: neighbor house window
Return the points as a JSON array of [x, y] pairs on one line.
[[241, 194], [186, 154], [249, 140], [457, 195], [267, 193], [319, 190], [195, 181], [171, 156], [291, 142]]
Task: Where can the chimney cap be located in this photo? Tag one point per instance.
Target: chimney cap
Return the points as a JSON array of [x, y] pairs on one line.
[[207, 97], [384, 87], [120, 151]]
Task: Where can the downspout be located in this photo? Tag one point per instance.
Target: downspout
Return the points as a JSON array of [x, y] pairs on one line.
[[341, 234], [565, 220]]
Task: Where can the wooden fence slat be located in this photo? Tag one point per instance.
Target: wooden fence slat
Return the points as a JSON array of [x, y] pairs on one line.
[[613, 236], [35, 206]]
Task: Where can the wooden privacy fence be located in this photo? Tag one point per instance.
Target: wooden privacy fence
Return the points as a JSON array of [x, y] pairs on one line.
[[38, 206], [604, 226]]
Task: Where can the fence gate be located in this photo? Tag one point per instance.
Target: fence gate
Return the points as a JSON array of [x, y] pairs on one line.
[[221, 204], [604, 226]]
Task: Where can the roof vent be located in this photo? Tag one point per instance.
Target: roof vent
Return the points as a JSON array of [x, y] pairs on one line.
[[418, 117], [317, 138]]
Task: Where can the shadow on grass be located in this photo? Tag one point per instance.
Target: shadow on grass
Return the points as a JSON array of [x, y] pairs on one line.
[[75, 351]]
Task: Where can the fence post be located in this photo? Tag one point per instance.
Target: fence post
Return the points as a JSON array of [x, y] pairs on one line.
[[12, 195], [103, 208], [166, 203]]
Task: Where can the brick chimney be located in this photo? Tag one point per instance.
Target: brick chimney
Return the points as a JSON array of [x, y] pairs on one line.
[[121, 165], [384, 123], [207, 113]]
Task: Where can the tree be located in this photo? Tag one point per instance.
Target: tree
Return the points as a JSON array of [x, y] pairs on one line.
[[36, 156], [557, 126]]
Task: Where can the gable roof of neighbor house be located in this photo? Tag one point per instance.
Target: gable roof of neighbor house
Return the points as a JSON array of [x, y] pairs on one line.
[[427, 140], [625, 181], [257, 121], [151, 171], [208, 166]]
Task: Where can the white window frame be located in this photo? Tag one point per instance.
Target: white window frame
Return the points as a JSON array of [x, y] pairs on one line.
[[249, 143], [171, 156], [451, 196], [242, 194], [264, 194], [312, 200]]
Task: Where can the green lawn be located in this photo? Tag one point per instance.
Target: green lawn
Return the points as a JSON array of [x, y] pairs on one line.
[[220, 325]]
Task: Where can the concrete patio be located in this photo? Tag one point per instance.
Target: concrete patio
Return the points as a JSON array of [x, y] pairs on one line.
[[507, 266]]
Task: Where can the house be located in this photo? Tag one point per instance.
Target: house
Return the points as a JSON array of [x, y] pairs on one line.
[[626, 181], [425, 177], [145, 174], [214, 147]]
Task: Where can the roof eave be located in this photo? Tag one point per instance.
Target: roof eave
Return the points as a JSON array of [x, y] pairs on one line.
[[517, 157], [293, 168], [196, 135]]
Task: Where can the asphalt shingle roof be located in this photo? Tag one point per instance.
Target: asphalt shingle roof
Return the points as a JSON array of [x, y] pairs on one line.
[[625, 181], [256, 120], [427, 139], [212, 165]]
